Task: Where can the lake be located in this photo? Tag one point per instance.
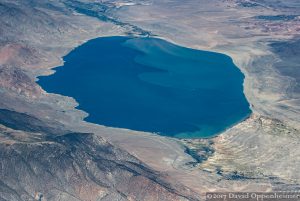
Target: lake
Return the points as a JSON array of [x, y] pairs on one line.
[[149, 84]]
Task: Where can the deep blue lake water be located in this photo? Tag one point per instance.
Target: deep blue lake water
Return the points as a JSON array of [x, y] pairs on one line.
[[148, 84]]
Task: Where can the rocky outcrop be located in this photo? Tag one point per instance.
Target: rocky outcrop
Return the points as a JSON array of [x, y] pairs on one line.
[[77, 166]]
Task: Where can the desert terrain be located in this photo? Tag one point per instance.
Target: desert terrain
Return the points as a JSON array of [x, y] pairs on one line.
[[48, 152]]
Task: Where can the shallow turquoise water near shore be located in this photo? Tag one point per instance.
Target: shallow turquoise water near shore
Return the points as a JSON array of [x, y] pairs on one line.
[[148, 84]]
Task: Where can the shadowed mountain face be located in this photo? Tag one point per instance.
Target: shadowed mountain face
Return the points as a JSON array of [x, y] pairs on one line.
[[27, 123], [72, 166]]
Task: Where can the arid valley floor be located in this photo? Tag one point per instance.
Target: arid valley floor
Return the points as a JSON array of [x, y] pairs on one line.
[[49, 153]]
